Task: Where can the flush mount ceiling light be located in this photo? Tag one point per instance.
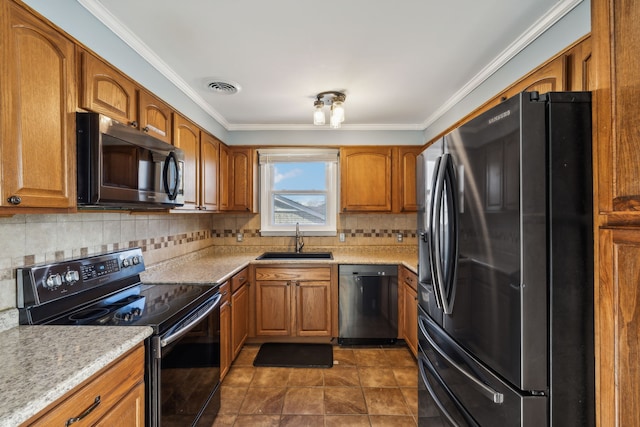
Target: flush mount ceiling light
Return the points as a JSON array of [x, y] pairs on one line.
[[336, 100]]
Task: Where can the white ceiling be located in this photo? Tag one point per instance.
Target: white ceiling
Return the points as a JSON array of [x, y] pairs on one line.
[[401, 63]]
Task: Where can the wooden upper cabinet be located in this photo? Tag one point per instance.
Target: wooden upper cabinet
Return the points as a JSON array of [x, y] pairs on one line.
[[105, 90], [209, 158], [580, 66], [236, 178], [405, 183], [186, 136], [154, 116], [37, 113], [365, 179], [550, 77], [616, 50]]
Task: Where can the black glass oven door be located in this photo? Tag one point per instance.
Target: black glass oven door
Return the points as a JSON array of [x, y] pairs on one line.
[[189, 369]]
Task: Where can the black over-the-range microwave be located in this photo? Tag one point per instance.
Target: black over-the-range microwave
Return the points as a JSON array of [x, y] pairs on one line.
[[122, 167]]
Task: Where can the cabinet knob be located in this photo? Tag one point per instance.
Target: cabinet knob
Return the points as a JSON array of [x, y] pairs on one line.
[[145, 129], [14, 200], [134, 124]]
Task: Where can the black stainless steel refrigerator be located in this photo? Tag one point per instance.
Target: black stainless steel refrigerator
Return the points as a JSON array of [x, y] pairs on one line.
[[505, 314]]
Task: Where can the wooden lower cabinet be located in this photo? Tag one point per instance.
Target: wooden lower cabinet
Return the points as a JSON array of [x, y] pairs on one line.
[[408, 299], [617, 326], [112, 397], [239, 311], [294, 301], [225, 330]]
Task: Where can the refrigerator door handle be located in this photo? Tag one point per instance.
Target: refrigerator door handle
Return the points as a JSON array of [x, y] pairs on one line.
[[422, 362], [485, 390], [449, 291], [435, 256]]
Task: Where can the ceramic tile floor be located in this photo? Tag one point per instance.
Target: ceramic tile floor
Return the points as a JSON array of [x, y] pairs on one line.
[[365, 387]]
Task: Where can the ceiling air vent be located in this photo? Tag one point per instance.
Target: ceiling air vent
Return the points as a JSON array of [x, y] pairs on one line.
[[223, 87]]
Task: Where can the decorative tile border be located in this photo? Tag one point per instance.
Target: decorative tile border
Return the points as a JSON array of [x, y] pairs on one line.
[[386, 233]]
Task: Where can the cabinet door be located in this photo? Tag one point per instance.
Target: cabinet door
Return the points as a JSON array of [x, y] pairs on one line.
[[406, 187], [186, 136], [129, 412], [209, 157], [242, 179], [37, 118], [410, 317], [273, 308], [239, 319], [155, 117], [365, 174], [105, 90], [225, 178], [616, 106], [617, 323], [313, 309], [225, 339]]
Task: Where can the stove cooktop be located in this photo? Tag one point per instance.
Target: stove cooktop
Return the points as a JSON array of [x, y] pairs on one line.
[[103, 290]]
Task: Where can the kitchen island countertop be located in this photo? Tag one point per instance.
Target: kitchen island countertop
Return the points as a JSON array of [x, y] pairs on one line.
[[40, 364]]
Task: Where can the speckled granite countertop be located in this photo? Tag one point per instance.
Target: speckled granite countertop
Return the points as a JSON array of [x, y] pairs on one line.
[[40, 364], [213, 267]]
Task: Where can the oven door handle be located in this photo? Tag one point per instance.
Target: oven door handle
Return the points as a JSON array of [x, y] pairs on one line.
[[184, 327]]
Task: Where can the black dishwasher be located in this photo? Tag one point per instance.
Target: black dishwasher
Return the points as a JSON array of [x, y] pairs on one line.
[[368, 304]]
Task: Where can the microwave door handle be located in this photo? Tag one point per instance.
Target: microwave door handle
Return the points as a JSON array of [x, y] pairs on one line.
[[422, 362], [449, 291], [171, 159], [435, 227], [485, 390]]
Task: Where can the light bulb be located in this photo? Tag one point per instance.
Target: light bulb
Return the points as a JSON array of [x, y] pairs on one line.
[[318, 114], [337, 110], [334, 122]]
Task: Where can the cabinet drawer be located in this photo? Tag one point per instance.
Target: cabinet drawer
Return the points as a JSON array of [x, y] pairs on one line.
[[239, 279], [293, 273], [409, 277], [111, 385], [225, 291]]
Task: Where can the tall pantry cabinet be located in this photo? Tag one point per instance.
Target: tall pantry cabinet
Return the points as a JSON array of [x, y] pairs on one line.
[[616, 120]]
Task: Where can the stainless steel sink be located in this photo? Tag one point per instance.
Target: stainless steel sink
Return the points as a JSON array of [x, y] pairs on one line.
[[296, 255]]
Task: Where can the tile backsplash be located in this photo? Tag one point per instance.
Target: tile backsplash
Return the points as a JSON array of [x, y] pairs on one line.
[[30, 239]]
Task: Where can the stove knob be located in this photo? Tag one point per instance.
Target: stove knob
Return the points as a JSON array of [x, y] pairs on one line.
[[136, 312], [53, 281], [135, 260], [126, 317], [125, 263], [71, 277]]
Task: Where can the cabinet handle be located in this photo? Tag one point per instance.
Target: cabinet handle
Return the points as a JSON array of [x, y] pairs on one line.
[[14, 200], [297, 283], [85, 413], [134, 124], [145, 129]]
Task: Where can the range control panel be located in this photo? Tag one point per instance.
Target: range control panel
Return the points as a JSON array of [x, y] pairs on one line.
[[39, 284]]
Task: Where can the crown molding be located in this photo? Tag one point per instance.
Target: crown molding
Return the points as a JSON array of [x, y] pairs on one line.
[[533, 32], [128, 37]]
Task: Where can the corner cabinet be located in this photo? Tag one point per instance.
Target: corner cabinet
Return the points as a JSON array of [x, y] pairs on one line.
[[295, 301], [365, 179], [114, 397], [37, 113], [404, 184]]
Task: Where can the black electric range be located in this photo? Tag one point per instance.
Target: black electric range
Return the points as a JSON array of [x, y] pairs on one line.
[[106, 290]]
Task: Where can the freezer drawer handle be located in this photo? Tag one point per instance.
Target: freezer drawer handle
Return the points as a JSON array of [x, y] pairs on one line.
[[487, 391], [433, 394]]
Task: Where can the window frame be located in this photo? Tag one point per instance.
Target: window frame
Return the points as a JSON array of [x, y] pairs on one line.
[[267, 158]]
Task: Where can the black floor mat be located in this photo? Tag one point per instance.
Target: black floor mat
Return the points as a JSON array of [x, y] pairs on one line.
[[295, 355]]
